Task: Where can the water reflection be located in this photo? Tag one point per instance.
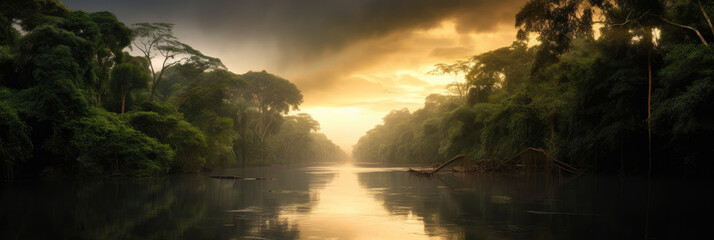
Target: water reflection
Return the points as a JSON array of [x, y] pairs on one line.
[[461, 207], [189, 207], [537, 207], [348, 202], [347, 211]]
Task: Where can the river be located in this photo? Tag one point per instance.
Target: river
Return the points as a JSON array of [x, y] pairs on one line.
[[353, 202]]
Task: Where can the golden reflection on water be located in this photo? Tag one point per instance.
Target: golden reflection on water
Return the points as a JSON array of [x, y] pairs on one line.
[[345, 210]]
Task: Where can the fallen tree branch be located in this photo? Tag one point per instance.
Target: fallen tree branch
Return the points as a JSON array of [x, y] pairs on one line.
[[457, 157], [238, 178], [429, 173]]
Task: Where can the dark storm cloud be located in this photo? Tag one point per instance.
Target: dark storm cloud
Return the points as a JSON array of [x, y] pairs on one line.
[[303, 29]]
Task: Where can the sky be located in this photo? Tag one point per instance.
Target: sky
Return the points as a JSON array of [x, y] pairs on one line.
[[353, 60]]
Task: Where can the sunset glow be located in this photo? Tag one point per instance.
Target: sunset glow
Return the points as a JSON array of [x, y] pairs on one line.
[[351, 73]]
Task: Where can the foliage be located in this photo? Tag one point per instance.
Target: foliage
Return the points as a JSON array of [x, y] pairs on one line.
[[271, 96], [682, 106], [102, 143], [206, 103], [15, 144], [127, 77], [29, 14], [586, 100], [164, 123], [157, 40], [54, 75], [114, 37]]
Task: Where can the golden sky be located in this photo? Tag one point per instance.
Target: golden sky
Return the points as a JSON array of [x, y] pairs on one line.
[[354, 60]]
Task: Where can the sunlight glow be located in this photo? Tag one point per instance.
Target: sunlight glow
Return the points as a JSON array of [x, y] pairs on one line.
[[348, 211], [342, 124], [368, 88]]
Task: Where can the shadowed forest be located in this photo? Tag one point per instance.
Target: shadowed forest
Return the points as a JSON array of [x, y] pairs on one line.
[[74, 102], [611, 87]]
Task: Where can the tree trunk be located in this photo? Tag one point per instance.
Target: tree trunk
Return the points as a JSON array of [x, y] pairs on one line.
[[649, 141], [123, 100], [649, 105], [151, 91], [551, 148]]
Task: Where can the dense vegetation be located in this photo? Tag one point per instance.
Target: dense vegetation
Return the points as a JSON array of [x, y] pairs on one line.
[[633, 99], [72, 101]]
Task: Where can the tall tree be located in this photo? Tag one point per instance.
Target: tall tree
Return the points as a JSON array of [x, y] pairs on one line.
[[115, 36], [272, 97], [157, 40], [127, 77], [209, 104], [501, 68], [454, 70], [556, 23]]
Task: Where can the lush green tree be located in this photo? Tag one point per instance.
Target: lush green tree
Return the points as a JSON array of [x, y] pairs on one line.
[[54, 73], [179, 77], [556, 23], [114, 37], [127, 77], [54, 97], [163, 122], [501, 68], [101, 143], [272, 97], [208, 103], [157, 40], [28, 14], [56, 70]]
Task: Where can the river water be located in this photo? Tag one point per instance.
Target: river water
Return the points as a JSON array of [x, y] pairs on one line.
[[353, 202]]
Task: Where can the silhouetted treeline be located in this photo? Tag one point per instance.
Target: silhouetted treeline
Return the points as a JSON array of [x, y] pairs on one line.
[[72, 101], [636, 97]]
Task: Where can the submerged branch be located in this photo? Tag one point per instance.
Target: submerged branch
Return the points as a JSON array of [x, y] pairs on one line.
[[238, 178]]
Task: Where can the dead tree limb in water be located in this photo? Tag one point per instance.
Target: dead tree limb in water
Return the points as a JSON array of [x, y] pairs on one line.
[[457, 157], [239, 178], [427, 173]]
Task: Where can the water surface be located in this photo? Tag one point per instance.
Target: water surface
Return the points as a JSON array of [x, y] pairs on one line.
[[351, 202]]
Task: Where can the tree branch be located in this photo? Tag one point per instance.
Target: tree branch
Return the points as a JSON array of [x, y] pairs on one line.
[[687, 27], [701, 7]]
